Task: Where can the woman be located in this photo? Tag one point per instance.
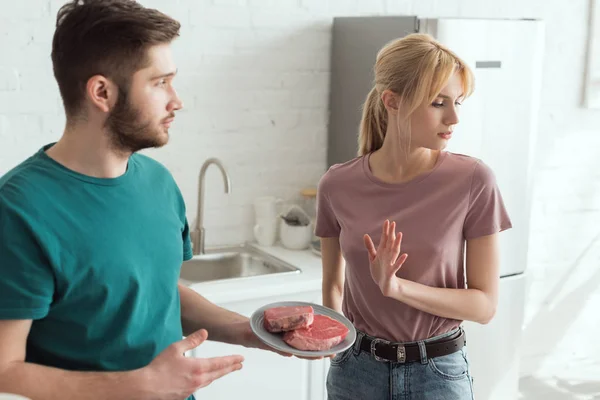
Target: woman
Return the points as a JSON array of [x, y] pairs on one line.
[[406, 293]]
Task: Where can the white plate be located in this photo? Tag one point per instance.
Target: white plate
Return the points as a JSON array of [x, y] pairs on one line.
[[275, 340]]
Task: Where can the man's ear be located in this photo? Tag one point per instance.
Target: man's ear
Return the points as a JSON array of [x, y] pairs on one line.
[[101, 93]]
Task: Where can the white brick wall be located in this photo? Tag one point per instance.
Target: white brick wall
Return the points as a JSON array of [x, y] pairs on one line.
[[254, 78]]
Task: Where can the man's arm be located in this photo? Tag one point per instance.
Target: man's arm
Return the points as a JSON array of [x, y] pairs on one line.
[[171, 376], [39, 382], [222, 325]]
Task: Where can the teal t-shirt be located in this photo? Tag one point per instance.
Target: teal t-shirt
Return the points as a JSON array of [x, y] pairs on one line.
[[93, 262]]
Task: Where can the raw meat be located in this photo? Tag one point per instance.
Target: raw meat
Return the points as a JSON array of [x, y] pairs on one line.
[[281, 319], [323, 334]]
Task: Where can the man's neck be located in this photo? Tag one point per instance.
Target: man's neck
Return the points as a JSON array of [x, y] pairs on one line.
[[88, 151]]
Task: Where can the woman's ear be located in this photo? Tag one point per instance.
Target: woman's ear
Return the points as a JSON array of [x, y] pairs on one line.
[[390, 100]]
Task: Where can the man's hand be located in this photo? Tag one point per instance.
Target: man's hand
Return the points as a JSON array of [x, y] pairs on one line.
[[249, 339], [172, 376]]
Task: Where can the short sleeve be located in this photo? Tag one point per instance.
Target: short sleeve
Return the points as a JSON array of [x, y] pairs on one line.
[[27, 278], [486, 214], [185, 226], [326, 224], [187, 243]]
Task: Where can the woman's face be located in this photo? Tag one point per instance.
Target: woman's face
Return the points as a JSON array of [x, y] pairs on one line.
[[432, 123]]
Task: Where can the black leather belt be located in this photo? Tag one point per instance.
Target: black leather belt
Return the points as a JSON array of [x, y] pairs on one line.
[[383, 350]]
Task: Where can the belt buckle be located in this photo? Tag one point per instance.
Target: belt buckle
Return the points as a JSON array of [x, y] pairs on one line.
[[374, 344], [401, 353]]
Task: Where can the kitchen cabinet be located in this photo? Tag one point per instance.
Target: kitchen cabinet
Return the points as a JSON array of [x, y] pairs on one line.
[[265, 375]]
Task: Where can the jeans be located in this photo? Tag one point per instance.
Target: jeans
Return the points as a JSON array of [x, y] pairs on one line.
[[356, 375]]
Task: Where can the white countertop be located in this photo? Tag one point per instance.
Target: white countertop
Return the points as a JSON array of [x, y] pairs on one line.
[[309, 279]]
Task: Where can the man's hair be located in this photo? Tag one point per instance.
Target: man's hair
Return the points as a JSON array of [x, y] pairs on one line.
[[104, 37]]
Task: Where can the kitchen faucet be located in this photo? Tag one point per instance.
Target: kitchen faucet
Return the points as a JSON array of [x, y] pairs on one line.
[[199, 233]]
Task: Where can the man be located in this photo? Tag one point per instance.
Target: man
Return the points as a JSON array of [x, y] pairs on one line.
[[92, 235]]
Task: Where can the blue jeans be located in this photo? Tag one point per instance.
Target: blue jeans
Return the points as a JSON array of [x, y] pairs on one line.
[[356, 375]]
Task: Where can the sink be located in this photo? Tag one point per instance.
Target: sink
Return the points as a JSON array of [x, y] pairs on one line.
[[240, 262]]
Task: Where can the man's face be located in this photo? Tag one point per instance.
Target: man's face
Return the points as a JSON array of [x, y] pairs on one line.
[[143, 112]]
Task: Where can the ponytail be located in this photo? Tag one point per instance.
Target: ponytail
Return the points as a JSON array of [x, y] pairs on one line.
[[373, 124]]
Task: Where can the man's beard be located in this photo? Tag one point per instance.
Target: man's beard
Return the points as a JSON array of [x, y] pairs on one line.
[[128, 132]]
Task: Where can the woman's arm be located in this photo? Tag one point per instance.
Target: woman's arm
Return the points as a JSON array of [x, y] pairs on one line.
[[477, 303], [333, 273]]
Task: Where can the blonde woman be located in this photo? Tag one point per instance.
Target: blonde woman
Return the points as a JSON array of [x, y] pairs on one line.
[[403, 285]]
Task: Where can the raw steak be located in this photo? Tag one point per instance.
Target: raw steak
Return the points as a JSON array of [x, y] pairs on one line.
[[281, 319], [323, 334]]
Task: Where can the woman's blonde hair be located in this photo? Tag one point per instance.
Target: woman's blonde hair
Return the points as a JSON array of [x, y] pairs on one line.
[[416, 68]]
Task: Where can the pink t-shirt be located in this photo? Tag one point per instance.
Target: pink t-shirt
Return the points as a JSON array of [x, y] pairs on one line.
[[436, 212]]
